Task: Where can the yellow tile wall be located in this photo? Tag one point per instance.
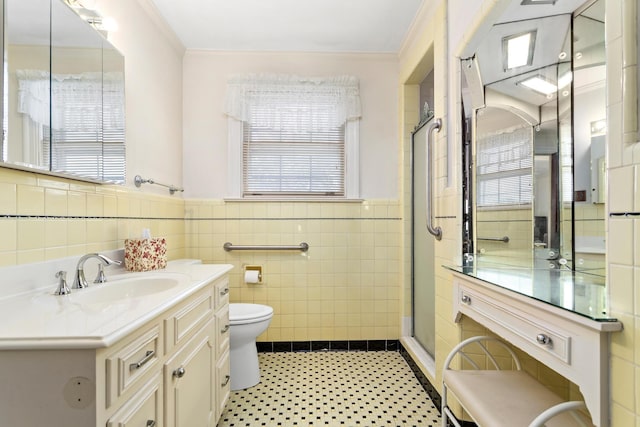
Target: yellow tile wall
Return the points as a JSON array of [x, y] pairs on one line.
[[623, 195], [346, 287], [44, 217]]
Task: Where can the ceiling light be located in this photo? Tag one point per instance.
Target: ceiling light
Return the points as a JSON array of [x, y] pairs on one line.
[[517, 50], [540, 85], [562, 55], [564, 80], [578, 55], [534, 2]]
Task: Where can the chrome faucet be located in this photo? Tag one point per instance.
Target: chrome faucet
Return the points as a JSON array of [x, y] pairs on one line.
[[80, 281], [63, 289]]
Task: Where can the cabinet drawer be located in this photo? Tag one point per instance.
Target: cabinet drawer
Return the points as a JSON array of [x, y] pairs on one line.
[[223, 382], [130, 362], [144, 409], [531, 332], [222, 292], [223, 329], [187, 317]]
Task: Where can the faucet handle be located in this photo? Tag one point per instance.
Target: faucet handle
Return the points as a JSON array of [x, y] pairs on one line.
[[63, 289], [101, 277]]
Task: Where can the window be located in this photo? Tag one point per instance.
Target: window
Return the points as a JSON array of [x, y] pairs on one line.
[[504, 169], [84, 133], [293, 137]]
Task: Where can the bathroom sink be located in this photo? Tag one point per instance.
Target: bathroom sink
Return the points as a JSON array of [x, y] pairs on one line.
[[123, 289], [120, 290]]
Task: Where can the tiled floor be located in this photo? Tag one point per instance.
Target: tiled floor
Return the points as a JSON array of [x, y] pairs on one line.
[[332, 389]]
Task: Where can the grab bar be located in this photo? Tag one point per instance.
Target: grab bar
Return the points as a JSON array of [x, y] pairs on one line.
[[504, 239], [437, 231], [138, 181], [304, 247]]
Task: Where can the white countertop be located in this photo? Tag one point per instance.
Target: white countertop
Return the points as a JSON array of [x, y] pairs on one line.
[[39, 320]]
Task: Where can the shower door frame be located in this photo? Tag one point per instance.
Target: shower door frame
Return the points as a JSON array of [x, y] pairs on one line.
[[430, 351]]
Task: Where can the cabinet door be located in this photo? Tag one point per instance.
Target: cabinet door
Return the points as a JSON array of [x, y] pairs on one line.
[[189, 381], [223, 382], [144, 409]]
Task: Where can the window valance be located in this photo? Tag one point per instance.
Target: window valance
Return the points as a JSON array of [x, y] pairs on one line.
[[339, 95]]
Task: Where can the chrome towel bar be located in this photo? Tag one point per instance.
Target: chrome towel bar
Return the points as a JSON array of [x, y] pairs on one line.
[[436, 125], [138, 181], [231, 247], [504, 239]]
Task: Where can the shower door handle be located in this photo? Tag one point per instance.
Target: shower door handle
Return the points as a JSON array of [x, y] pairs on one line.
[[437, 231]]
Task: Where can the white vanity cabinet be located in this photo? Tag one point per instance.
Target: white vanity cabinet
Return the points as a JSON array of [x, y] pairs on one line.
[[172, 370]]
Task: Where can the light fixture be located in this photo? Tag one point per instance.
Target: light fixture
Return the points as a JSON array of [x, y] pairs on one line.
[[540, 85], [517, 50], [537, 2], [599, 126], [82, 4], [87, 10], [562, 55], [564, 80]]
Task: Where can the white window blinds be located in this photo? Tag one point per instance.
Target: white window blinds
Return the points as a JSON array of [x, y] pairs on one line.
[[294, 134], [504, 169], [84, 132]]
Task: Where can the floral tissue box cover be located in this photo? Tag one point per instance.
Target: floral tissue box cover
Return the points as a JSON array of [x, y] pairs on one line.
[[145, 254]]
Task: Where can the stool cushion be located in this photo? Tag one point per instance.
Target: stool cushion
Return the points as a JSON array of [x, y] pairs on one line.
[[504, 398]]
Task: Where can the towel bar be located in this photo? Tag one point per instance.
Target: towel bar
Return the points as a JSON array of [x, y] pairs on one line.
[[504, 239], [231, 247]]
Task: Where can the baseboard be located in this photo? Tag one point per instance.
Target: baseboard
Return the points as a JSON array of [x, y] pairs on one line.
[[426, 384], [349, 345]]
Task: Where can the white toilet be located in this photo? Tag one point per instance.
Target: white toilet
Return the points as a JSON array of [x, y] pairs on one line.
[[247, 322]]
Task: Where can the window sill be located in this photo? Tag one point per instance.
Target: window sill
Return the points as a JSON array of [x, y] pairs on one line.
[[293, 199]]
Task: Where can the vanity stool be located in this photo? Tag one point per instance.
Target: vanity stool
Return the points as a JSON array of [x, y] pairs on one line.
[[496, 398]]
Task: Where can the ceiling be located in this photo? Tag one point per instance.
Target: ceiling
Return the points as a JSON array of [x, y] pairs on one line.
[[291, 25]]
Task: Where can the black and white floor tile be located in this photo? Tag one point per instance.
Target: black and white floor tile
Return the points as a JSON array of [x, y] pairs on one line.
[[332, 389]]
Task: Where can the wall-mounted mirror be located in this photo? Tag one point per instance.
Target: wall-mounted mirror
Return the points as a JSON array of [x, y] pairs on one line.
[[63, 95], [538, 146]]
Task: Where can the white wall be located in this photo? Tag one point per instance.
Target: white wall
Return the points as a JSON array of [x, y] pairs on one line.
[[153, 90], [205, 124]]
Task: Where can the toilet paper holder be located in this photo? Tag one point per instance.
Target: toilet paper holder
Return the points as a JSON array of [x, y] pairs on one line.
[[252, 268]]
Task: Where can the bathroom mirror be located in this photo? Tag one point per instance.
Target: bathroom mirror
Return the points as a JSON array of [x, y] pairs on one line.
[[538, 156], [63, 94]]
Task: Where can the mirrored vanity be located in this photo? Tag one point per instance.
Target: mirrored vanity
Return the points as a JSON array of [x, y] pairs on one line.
[[63, 104], [533, 268]]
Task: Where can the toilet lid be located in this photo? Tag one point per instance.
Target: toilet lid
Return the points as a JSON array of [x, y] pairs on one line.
[[247, 313]]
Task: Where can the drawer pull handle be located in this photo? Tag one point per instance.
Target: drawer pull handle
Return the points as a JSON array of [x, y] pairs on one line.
[[543, 339], [466, 299], [226, 380], [150, 354], [224, 291], [225, 329], [179, 373], [151, 423]]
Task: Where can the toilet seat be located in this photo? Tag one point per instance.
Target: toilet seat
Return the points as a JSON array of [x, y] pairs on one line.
[[241, 314]]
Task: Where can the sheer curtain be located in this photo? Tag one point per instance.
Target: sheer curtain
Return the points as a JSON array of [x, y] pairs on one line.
[[340, 94], [33, 103]]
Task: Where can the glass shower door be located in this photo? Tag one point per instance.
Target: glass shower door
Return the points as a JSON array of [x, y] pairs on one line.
[[422, 256]]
